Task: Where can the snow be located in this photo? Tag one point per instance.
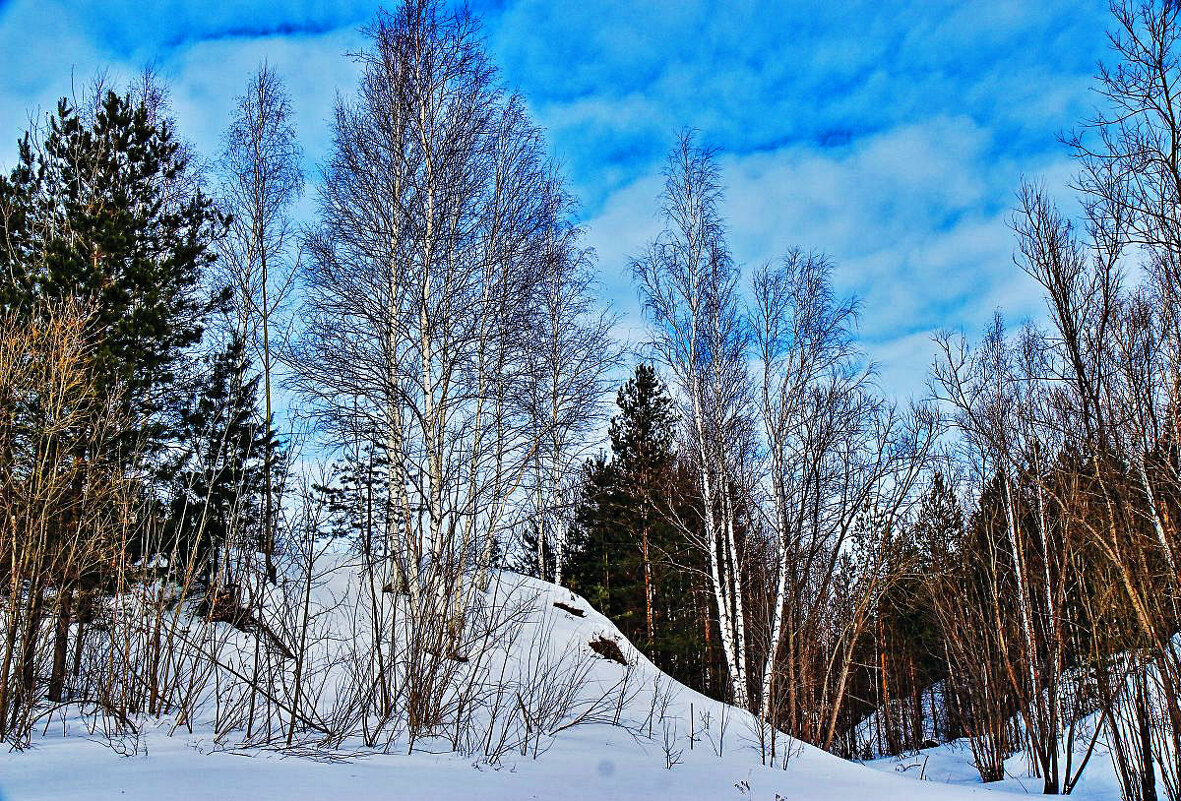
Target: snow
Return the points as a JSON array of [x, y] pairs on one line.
[[951, 764], [596, 761]]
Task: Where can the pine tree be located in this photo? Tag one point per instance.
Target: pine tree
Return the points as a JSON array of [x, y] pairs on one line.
[[533, 551], [628, 555], [909, 640], [597, 552], [356, 511], [96, 209], [642, 446], [102, 213]]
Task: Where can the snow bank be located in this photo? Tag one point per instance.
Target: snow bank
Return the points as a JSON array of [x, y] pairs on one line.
[[631, 732]]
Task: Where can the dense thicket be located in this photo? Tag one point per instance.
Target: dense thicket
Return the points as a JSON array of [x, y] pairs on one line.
[[105, 241]]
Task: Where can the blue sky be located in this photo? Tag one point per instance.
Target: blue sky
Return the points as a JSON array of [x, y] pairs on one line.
[[891, 136]]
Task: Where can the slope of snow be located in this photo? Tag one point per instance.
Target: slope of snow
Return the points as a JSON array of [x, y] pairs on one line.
[[591, 760]]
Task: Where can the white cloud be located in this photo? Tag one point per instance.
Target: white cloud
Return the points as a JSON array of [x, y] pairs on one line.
[[915, 218]]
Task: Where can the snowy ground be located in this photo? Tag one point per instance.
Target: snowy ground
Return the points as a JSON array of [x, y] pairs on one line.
[[594, 761], [951, 765], [587, 764]]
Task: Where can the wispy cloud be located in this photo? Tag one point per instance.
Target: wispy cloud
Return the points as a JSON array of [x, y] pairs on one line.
[[266, 30], [135, 29]]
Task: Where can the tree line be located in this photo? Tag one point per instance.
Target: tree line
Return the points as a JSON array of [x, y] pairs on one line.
[[996, 562]]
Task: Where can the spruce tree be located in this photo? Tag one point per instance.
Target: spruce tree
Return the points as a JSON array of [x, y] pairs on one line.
[[220, 479]]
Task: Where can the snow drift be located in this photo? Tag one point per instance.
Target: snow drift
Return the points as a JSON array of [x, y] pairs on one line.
[[559, 706]]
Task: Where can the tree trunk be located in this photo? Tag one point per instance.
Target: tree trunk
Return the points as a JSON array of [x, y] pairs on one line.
[[57, 677]]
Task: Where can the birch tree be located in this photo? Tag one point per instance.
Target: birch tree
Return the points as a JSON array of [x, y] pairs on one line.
[[689, 286], [809, 375], [573, 357], [443, 231], [261, 180]]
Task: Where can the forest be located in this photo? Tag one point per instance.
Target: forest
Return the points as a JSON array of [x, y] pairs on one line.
[[205, 398]]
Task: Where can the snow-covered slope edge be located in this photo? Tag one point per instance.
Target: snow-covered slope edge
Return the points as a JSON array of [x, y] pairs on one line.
[[619, 751]]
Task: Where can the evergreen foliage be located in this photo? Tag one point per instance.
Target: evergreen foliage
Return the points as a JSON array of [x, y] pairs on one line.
[[354, 499], [628, 553], [220, 478], [96, 209]]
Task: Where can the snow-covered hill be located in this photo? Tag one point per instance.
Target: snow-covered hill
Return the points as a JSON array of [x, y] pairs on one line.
[[635, 744]]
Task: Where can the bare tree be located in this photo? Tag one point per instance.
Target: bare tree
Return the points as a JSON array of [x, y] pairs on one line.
[[261, 180], [803, 335], [448, 318], [689, 285], [573, 357]]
